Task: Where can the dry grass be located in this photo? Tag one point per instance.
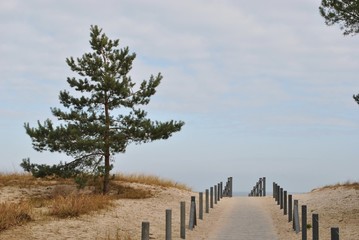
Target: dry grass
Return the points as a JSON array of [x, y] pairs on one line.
[[346, 185], [13, 214], [151, 180], [75, 205], [27, 180]]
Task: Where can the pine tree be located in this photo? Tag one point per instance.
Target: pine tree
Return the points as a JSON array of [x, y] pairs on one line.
[[342, 12], [346, 14], [103, 115]]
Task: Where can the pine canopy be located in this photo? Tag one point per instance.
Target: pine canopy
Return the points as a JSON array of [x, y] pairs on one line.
[[103, 111]]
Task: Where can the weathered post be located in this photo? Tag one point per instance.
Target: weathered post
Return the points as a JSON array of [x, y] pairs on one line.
[[183, 220], [278, 195], [274, 188], [285, 202], [221, 189], [260, 187], [304, 222], [207, 201], [211, 197], [192, 215], [168, 224], [145, 234], [334, 233], [315, 225], [281, 198], [264, 186], [230, 186], [200, 206], [218, 192], [215, 194], [296, 223], [290, 210]]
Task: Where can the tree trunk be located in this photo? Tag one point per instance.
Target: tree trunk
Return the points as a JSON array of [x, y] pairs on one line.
[[106, 180]]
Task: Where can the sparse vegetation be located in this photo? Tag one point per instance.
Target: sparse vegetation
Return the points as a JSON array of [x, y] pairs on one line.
[[151, 180], [75, 205], [13, 214], [61, 198], [348, 185]]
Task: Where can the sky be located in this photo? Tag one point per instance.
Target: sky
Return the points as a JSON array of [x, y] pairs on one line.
[[265, 87]]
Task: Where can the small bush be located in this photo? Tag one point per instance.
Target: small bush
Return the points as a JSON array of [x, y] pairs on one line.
[[309, 226], [13, 214]]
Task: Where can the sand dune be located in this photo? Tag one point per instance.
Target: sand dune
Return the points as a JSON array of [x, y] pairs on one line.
[[337, 207]]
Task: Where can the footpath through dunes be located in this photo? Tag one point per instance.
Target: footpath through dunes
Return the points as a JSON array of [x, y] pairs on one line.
[[238, 218]]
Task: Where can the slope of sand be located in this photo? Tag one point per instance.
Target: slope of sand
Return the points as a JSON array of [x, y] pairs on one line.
[[336, 208]]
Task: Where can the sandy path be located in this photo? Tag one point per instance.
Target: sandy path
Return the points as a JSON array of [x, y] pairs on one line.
[[238, 218]]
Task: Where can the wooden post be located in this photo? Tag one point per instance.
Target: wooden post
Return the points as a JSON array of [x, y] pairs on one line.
[[207, 201], [168, 224], [296, 217], [274, 187], [304, 222], [290, 210], [183, 220], [218, 192], [200, 206], [278, 195], [192, 215], [334, 233], [260, 186], [264, 186], [145, 234], [281, 198], [211, 197], [221, 190], [285, 202], [315, 226], [215, 194], [230, 186]]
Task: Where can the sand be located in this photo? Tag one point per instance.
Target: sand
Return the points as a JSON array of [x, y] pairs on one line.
[[336, 208]]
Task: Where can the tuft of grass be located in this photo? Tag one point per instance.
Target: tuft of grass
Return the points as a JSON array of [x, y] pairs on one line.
[[14, 214], [27, 180], [75, 205], [150, 180]]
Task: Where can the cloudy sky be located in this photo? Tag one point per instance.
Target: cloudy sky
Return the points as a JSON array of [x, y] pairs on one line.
[[265, 87]]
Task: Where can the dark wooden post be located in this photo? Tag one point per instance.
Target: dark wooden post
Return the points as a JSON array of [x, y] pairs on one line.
[[304, 222], [334, 233], [290, 208], [274, 188], [281, 198], [315, 225], [218, 192], [145, 234], [264, 186], [215, 194], [211, 197], [207, 201], [168, 224], [200, 205], [278, 195], [221, 190], [296, 224], [183, 220], [285, 203], [230, 186]]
